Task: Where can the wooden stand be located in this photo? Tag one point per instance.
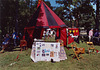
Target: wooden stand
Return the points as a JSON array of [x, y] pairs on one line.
[[91, 47]]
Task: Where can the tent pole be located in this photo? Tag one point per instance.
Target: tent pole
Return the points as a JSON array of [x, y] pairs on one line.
[[0, 23]]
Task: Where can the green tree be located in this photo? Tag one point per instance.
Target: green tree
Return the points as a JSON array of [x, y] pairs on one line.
[[17, 13], [85, 15], [8, 11], [80, 11]]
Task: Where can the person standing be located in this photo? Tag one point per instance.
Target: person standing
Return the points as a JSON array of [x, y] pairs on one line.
[[48, 33], [44, 34], [15, 38], [90, 35]]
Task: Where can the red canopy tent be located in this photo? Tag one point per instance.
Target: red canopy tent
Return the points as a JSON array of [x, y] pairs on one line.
[[42, 19]]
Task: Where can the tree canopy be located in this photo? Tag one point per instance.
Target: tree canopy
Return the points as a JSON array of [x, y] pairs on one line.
[[16, 14], [79, 12]]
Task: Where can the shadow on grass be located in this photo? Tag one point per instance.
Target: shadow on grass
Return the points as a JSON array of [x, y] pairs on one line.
[[12, 48]]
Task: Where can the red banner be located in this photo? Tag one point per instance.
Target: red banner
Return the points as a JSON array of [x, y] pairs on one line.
[[63, 35], [74, 32]]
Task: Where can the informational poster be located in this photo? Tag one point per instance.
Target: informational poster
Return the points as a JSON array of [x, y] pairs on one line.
[[45, 51]]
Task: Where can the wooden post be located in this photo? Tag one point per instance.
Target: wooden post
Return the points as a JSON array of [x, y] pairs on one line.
[[16, 24], [0, 23]]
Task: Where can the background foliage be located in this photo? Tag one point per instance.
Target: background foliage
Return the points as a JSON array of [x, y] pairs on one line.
[[16, 13]]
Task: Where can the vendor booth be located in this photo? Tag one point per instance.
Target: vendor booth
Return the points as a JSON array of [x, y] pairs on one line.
[[41, 20], [47, 51]]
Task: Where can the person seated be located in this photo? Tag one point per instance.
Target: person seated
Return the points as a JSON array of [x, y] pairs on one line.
[[5, 43], [23, 44], [96, 34]]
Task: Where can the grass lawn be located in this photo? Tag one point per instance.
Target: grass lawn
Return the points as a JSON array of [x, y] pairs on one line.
[[24, 62]]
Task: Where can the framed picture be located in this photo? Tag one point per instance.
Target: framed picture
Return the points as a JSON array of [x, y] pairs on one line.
[[52, 54], [38, 48], [43, 54], [38, 54], [43, 44], [43, 51], [52, 45], [38, 51]]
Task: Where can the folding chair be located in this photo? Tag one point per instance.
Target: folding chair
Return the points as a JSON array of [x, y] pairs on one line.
[[91, 47], [78, 51]]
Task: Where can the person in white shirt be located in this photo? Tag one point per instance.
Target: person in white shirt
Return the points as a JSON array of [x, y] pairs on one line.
[[51, 33], [90, 35]]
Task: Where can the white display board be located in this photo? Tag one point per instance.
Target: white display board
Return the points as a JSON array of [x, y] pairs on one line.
[[45, 51]]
